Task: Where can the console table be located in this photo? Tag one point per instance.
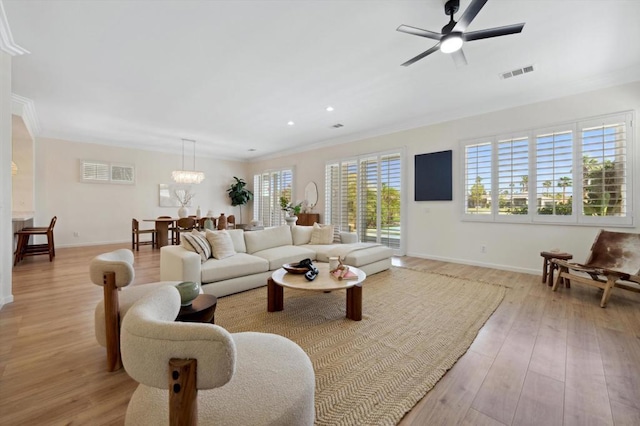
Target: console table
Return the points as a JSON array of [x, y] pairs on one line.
[[308, 219]]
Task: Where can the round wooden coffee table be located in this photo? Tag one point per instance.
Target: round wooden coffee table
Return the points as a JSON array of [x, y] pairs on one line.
[[324, 282]]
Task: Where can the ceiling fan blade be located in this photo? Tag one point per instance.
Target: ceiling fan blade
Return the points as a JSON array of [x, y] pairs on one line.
[[459, 59], [469, 14], [419, 32], [493, 32], [422, 55]]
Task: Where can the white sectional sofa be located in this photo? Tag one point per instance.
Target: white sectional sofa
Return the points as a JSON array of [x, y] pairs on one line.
[[259, 253]]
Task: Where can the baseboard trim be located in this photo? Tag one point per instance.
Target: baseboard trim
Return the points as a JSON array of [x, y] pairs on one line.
[[6, 300], [475, 263], [101, 243]]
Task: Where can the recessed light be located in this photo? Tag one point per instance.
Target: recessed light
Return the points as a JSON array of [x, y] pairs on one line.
[[252, 149], [329, 108], [290, 123]]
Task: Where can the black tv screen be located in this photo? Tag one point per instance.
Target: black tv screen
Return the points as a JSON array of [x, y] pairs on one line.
[[433, 178]]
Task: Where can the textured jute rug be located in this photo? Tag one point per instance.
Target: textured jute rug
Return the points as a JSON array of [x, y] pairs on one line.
[[415, 325]]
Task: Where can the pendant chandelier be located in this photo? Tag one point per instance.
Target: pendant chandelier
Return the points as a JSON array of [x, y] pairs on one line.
[[188, 176]]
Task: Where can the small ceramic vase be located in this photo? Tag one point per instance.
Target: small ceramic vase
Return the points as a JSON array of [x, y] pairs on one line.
[[222, 221]]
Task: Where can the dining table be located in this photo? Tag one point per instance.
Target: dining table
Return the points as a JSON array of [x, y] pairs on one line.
[[162, 229]]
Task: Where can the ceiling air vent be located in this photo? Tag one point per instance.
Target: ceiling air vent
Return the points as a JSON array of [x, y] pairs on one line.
[[337, 126], [516, 72]]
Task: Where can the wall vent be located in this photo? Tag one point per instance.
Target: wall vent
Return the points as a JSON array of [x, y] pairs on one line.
[[337, 125], [516, 72]]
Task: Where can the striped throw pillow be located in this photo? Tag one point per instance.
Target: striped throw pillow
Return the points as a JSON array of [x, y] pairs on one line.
[[198, 243]]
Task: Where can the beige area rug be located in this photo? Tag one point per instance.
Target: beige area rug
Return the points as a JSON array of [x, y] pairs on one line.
[[415, 325]]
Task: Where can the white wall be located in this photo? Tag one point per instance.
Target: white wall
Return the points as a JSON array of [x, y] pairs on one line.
[[6, 230], [435, 229], [102, 213], [23, 156]]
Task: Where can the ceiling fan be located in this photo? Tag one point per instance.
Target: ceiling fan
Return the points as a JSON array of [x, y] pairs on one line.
[[453, 34]]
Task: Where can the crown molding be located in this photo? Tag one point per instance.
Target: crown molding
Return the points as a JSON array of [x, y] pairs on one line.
[[25, 108], [6, 39]]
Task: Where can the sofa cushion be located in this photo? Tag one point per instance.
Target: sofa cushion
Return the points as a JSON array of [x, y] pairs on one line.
[[323, 251], [231, 267], [197, 242], [221, 244], [268, 238], [363, 253], [321, 234], [237, 236], [278, 256], [301, 234]]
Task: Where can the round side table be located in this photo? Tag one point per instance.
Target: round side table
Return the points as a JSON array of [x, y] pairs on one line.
[[202, 309], [548, 267]]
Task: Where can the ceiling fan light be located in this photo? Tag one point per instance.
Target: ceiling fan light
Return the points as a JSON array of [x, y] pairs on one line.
[[451, 42]]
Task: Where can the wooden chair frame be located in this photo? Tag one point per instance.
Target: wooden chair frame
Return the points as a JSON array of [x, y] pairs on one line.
[[601, 269], [135, 236], [112, 321], [24, 249]]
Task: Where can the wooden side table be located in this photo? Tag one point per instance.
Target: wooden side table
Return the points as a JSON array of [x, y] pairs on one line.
[[548, 267], [202, 309]]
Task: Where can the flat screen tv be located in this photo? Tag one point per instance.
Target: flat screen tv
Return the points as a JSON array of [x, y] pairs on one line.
[[433, 178]]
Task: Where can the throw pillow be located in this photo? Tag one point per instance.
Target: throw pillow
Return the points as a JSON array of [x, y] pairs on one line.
[[196, 242], [321, 234], [221, 244]]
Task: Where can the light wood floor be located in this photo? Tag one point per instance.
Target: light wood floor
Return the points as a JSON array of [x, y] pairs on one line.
[[543, 358]]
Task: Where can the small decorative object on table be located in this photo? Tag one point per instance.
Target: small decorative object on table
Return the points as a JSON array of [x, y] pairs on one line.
[[184, 197], [208, 224], [222, 221], [189, 290]]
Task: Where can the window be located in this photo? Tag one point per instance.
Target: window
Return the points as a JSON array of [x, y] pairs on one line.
[[364, 195], [102, 172], [268, 187], [576, 173]]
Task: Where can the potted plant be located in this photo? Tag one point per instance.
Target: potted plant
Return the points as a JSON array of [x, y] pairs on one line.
[[291, 211], [239, 194]]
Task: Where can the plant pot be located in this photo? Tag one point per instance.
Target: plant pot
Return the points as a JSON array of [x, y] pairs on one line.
[[291, 220]]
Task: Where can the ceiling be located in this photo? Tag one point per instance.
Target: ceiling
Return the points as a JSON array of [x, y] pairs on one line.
[[231, 74]]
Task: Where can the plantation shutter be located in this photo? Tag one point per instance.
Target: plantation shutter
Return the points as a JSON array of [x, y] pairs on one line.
[[513, 176], [268, 188], [605, 176], [365, 195], [477, 178], [554, 162], [95, 171]]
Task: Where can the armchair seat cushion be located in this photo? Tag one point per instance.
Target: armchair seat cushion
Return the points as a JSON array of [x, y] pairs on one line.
[[274, 384], [238, 265]]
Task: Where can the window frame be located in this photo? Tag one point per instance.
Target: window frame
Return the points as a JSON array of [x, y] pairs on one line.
[[577, 216], [274, 205], [357, 163], [109, 165]]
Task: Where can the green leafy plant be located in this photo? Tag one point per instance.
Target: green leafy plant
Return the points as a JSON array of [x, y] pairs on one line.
[[288, 207], [239, 194]]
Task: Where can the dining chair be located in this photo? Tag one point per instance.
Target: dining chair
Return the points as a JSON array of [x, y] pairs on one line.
[[23, 247], [173, 229], [231, 222], [135, 235], [184, 224]]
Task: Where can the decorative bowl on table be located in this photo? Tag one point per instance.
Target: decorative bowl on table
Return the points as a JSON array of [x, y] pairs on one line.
[[189, 290], [293, 268]]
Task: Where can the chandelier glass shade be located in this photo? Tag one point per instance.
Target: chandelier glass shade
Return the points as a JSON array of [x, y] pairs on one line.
[[188, 176]]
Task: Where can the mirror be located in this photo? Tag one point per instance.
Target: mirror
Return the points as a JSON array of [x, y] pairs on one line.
[[311, 194]]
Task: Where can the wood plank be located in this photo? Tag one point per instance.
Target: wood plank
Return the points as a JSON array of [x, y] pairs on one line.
[[625, 415], [476, 418], [448, 402], [586, 400], [540, 401]]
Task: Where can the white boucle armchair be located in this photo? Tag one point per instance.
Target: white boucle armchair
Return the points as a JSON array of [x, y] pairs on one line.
[[114, 271], [197, 373]]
